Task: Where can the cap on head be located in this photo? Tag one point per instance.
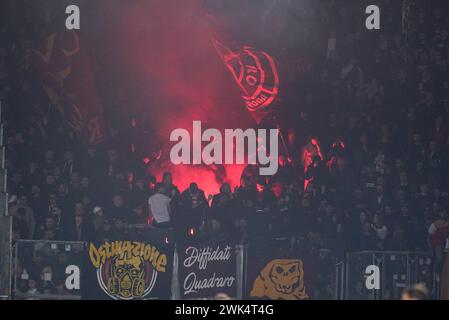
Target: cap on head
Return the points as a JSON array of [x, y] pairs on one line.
[[98, 211], [12, 198]]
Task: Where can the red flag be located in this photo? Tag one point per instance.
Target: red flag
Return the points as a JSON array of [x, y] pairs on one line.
[[257, 76], [69, 83]]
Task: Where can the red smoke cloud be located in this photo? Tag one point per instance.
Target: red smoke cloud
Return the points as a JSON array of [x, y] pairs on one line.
[[183, 175], [171, 75]]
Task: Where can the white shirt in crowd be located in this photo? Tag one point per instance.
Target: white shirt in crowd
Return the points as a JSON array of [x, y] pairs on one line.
[[160, 207]]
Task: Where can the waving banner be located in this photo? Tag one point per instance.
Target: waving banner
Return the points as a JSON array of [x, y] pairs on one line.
[[207, 270], [68, 80], [256, 74]]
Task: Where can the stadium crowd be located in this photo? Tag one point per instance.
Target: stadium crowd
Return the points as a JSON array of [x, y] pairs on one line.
[[366, 168]]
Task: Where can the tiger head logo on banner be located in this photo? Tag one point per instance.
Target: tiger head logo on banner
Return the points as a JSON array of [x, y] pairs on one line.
[[281, 279], [127, 270]]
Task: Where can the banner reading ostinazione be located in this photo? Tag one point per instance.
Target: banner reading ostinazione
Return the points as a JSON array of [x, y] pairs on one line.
[[126, 270]]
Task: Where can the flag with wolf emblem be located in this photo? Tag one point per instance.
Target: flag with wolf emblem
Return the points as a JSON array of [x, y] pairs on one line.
[[256, 74]]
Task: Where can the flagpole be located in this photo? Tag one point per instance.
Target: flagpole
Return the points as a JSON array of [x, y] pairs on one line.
[[282, 136]]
